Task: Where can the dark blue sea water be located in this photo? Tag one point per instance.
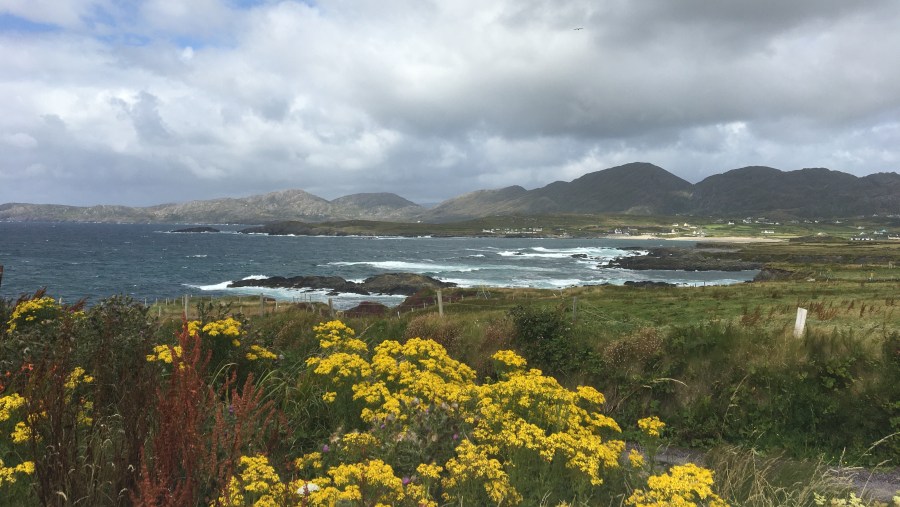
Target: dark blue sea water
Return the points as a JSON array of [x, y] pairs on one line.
[[74, 260]]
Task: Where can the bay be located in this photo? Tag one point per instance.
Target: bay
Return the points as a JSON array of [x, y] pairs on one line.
[[148, 262]]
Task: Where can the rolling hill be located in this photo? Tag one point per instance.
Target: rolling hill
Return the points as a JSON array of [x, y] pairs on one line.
[[637, 188]]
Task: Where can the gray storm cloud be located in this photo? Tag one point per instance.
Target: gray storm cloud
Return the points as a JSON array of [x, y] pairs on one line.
[[152, 102]]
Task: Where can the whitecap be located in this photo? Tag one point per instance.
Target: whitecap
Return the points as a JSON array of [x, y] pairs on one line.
[[215, 286], [404, 266]]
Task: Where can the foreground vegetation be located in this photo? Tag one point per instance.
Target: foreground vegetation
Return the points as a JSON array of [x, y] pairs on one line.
[[115, 405]]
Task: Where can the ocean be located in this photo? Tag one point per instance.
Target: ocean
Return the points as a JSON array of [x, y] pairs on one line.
[[150, 263]]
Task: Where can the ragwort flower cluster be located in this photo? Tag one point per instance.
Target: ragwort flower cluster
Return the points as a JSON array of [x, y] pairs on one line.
[[224, 337], [11, 407], [414, 428], [33, 311], [401, 388], [683, 485]]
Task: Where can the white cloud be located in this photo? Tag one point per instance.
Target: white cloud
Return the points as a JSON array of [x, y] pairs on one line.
[[431, 99], [20, 140], [64, 13]]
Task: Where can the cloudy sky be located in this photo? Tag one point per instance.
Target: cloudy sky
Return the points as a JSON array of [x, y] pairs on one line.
[[143, 102]]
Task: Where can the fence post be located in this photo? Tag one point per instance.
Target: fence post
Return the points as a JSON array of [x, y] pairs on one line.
[[574, 308], [800, 323], [440, 299]]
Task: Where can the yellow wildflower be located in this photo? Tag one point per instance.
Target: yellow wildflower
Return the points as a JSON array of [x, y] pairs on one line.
[[258, 479], [473, 464], [226, 327], [337, 335], [590, 394], [651, 426], [76, 377], [8, 474], [510, 359], [164, 353], [359, 441], [684, 485], [310, 460], [429, 471], [635, 458], [29, 311], [21, 433], [372, 480], [8, 404], [259, 352]]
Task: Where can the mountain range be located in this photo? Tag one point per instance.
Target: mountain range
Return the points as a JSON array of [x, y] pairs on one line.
[[636, 188]]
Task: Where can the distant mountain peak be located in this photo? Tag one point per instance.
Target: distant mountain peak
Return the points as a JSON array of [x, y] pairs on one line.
[[636, 188], [372, 199]]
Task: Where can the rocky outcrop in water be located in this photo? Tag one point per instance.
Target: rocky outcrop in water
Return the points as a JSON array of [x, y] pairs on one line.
[[405, 284], [197, 229], [335, 284], [684, 259]]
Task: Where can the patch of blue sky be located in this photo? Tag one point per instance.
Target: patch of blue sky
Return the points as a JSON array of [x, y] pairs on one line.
[[125, 39], [99, 17], [12, 23], [249, 4], [196, 42]]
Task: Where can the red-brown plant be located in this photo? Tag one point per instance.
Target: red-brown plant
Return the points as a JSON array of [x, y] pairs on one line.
[[201, 432]]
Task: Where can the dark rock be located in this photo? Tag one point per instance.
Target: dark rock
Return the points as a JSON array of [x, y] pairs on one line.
[[367, 308], [648, 283], [405, 284], [334, 283], [197, 229], [579, 256], [684, 259]]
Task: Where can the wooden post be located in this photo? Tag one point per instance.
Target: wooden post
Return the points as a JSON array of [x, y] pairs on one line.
[[800, 323], [1, 275], [184, 299], [440, 298], [262, 304], [331, 307], [574, 308]]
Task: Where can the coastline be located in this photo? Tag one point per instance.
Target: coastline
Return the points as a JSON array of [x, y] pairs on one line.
[[702, 239]]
